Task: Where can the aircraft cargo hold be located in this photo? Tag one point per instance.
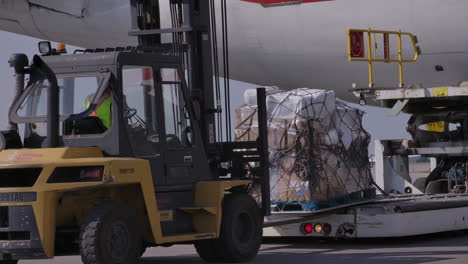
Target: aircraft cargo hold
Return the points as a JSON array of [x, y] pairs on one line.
[[318, 148]]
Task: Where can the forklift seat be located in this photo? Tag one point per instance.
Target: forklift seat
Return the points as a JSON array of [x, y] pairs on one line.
[[87, 126], [173, 142]]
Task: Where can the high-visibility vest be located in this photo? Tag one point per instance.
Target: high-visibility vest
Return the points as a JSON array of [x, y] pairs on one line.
[[102, 111]]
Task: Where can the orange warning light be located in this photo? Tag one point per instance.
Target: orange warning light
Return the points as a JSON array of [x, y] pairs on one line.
[[61, 47]]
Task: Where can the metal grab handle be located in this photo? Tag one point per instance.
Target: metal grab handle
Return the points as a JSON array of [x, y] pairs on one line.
[[371, 56], [188, 159]]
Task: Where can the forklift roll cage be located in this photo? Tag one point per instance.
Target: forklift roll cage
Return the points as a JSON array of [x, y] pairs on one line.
[[116, 141], [193, 61], [183, 164]]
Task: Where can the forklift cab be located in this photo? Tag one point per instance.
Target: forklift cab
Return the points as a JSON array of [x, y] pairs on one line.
[[151, 116]]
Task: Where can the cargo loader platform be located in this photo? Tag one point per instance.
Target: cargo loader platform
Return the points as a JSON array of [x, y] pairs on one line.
[[438, 203], [393, 216]]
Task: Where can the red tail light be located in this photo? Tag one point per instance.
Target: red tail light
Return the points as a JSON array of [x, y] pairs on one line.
[[308, 228]]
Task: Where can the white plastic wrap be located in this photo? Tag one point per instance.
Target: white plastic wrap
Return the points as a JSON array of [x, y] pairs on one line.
[[250, 95], [318, 147], [310, 104]]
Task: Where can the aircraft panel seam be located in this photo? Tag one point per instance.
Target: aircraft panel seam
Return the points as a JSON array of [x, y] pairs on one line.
[[13, 21], [9, 20], [58, 11]]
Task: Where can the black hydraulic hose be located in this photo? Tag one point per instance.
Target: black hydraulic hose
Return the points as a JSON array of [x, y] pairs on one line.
[[436, 173], [430, 205], [379, 188], [214, 37], [227, 89]]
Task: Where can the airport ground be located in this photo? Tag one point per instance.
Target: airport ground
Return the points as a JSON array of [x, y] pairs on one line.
[[444, 248]]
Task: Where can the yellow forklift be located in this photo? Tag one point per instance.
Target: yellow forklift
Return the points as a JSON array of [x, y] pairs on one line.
[[110, 151]]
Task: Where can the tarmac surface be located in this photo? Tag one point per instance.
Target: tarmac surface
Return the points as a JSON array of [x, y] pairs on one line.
[[447, 248]]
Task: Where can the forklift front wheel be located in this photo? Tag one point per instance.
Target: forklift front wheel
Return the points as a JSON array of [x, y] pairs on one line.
[[142, 251], [241, 232], [109, 235]]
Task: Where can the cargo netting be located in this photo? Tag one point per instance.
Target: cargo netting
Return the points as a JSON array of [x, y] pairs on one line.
[[318, 146]]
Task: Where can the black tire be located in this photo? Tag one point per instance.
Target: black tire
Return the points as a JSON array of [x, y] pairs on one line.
[[8, 261], [420, 183], [208, 250], [142, 251], [110, 235], [241, 232]]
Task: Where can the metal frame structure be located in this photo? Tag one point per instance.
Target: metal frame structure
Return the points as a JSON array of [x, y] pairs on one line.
[[181, 190], [371, 53]]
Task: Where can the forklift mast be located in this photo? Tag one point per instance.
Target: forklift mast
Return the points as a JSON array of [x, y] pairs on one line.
[[191, 37], [191, 42]]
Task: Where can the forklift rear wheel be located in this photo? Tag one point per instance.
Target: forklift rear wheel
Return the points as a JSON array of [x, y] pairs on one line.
[[241, 232], [109, 235]]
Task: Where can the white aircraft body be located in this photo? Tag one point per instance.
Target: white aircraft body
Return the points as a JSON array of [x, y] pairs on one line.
[[297, 44]]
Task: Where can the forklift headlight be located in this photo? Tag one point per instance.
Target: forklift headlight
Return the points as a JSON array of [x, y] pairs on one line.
[[77, 174], [45, 48]]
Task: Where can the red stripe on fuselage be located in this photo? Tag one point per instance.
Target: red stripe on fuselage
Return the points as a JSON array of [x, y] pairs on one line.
[[272, 2]]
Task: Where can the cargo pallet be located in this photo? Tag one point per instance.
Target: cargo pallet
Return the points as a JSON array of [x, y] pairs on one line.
[[309, 206]]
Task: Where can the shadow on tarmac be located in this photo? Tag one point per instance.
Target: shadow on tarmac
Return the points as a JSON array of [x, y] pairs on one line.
[[430, 240], [417, 250], [327, 258]]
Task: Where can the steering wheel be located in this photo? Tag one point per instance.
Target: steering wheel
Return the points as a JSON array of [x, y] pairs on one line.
[[153, 138], [82, 115]]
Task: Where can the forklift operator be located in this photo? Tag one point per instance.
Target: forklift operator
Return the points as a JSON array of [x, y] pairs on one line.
[[103, 108]]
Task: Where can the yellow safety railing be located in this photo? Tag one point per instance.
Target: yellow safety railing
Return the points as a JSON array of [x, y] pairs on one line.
[[357, 49]]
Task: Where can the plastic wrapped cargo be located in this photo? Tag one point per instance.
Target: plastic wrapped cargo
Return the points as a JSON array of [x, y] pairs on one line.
[[318, 146], [250, 95]]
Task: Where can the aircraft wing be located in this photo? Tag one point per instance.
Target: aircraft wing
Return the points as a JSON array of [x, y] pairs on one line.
[[68, 20]]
